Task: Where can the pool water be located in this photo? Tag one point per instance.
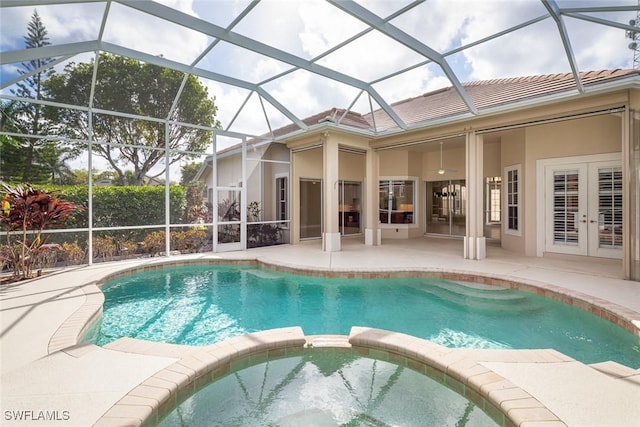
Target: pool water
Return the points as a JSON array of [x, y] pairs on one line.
[[200, 305], [327, 389]]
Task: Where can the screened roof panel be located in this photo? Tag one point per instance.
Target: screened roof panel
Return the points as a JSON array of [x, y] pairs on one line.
[[435, 24], [221, 13], [414, 82], [299, 56], [522, 53], [153, 35], [325, 93], [386, 8], [307, 30], [370, 57], [241, 63], [599, 47]]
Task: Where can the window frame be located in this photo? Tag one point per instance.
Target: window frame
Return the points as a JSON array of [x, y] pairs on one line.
[[509, 204], [284, 177], [389, 181]]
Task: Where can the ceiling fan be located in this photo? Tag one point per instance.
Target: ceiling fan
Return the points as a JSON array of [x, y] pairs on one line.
[[442, 169]]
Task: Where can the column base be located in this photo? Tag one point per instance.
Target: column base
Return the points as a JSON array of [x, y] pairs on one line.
[[475, 247], [331, 242], [372, 237]]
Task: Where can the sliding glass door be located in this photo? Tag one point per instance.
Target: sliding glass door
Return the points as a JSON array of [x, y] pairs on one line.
[[446, 211], [310, 208], [349, 205]]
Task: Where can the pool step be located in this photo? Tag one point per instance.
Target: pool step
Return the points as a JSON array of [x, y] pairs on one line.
[[465, 289], [265, 274], [479, 296]]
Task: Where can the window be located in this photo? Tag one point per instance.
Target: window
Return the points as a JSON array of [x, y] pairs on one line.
[[493, 189], [512, 203], [281, 198], [397, 199]]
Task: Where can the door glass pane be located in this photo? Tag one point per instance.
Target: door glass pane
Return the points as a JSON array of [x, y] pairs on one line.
[[310, 208], [446, 207], [349, 207], [565, 207], [437, 212], [610, 208], [229, 205], [402, 202], [457, 191], [384, 201], [493, 208]]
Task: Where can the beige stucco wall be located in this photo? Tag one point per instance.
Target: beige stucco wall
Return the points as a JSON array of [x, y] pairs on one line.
[[352, 166], [592, 135], [492, 157], [512, 153], [270, 171], [304, 164]]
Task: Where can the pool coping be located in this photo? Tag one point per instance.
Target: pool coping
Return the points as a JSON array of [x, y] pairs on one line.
[[460, 370]]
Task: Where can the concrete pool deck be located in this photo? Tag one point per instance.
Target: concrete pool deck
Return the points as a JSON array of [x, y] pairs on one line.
[[43, 371]]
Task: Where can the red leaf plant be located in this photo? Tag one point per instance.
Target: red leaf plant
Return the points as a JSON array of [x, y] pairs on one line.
[[26, 211]]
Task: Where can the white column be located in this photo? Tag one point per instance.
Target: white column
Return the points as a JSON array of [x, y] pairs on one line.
[[331, 233], [372, 234], [631, 195], [475, 245]]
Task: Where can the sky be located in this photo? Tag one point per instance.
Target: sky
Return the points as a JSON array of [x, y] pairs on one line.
[[309, 28]]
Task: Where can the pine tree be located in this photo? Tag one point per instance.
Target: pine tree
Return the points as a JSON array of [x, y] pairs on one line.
[[28, 118]]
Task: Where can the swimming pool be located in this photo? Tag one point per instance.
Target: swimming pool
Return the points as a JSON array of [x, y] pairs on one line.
[[327, 388], [200, 305]]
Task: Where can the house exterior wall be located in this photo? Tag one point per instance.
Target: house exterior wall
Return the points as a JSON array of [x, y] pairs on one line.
[[308, 165], [261, 176], [352, 167], [512, 153], [270, 171], [522, 145], [592, 135], [510, 139]]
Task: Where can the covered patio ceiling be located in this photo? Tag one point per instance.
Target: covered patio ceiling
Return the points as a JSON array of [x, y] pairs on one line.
[[273, 63]]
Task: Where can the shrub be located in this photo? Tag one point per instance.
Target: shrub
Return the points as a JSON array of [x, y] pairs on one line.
[[72, 253], [104, 247], [188, 241], [154, 243], [26, 212]]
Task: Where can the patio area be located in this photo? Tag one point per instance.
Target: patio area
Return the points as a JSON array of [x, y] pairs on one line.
[[81, 383]]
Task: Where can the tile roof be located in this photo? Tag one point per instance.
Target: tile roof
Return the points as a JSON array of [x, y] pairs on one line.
[[487, 94], [334, 115]]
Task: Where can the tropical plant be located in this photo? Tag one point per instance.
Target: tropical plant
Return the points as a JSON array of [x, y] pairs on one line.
[[25, 212], [196, 210], [259, 235]]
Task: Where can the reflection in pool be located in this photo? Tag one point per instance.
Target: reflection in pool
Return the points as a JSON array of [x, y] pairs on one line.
[[326, 388], [201, 305]]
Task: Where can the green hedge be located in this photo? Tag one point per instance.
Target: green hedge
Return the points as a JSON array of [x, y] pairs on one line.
[[124, 205]]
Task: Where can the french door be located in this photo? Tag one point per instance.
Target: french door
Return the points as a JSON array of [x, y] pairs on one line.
[[583, 206]]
